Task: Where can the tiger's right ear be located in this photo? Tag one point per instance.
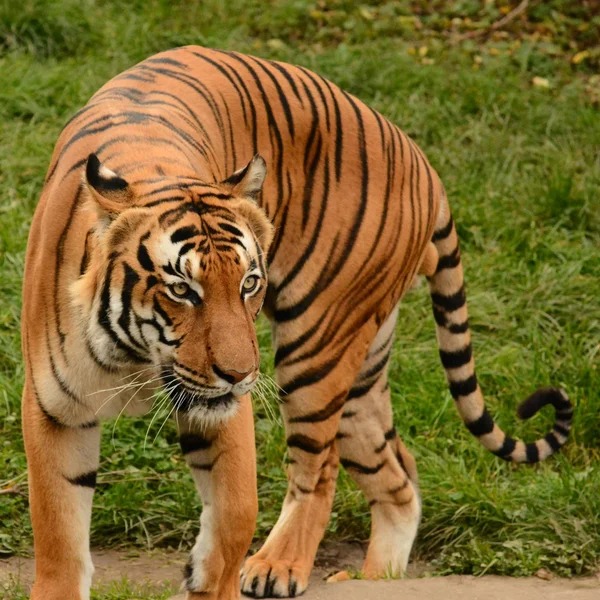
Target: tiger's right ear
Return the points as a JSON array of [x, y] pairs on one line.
[[247, 182], [111, 193]]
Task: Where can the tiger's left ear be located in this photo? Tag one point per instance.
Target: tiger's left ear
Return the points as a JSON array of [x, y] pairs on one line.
[[111, 193], [248, 181]]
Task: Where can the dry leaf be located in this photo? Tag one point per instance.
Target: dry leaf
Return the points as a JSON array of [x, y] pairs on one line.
[[540, 82], [340, 576], [544, 574], [580, 56]]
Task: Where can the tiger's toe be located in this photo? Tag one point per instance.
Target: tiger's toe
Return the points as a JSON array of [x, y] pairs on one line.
[[273, 579]]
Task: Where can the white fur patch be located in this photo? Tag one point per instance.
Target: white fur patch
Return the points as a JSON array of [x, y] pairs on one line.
[[202, 549], [392, 538]]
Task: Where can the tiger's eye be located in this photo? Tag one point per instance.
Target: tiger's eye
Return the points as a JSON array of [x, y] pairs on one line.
[[250, 284], [180, 289]]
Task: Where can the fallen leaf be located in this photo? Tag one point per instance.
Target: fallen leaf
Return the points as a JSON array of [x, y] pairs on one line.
[[540, 82], [580, 56], [275, 44], [544, 574], [340, 576], [366, 13]]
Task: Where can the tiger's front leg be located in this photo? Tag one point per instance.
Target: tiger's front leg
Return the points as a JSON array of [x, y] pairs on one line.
[[223, 463], [62, 464]]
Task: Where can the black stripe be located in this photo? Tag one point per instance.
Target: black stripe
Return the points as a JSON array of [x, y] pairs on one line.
[[191, 442], [184, 233], [330, 274], [303, 489], [202, 467], [464, 387], [50, 417], [452, 302], [532, 452], [310, 377], [285, 350], [104, 318], [312, 244], [168, 61], [444, 232], [458, 327], [560, 429], [401, 461], [188, 571], [161, 311], [282, 99], [85, 259], [552, 441], [62, 384], [272, 122], [507, 448], [377, 367], [381, 448], [363, 469], [439, 316], [144, 258], [457, 358], [151, 281], [231, 229], [129, 282], [449, 261], [359, 391], [398, 488], [306, 443], [86, 480], [560, 403], [483, 425], [322, 415], [566, 413], [442, 321], [391, 434]]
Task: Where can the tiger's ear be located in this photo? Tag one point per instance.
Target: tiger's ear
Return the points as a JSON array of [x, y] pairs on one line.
[[111, 193], [248, 181]]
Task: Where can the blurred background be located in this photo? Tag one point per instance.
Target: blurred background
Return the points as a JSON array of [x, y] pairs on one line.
[[503, 97]]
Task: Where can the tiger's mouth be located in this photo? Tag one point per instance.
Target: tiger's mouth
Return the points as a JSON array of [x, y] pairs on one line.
[[185, 399]]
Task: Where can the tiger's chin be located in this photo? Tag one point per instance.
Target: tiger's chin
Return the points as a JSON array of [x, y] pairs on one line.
[[208, 410]]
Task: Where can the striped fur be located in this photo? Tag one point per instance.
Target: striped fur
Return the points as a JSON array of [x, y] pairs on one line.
[[184, 183]]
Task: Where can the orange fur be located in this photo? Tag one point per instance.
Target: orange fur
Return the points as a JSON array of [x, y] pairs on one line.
[[168, 198]]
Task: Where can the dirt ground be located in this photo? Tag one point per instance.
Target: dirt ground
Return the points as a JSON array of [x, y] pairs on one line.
[[161, 568]]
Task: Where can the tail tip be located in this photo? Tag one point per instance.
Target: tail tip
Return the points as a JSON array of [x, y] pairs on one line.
[[540, 398]]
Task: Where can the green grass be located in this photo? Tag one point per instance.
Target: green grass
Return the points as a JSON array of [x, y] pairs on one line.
[[118, 590], [520, 164]]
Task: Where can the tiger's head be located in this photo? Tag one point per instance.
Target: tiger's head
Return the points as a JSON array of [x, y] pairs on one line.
[[173, 278]]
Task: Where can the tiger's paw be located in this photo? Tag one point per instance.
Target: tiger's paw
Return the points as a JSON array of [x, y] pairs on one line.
[[274, 578]]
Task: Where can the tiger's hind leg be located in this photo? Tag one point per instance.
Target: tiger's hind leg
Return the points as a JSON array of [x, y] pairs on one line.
[[380, 463], [311, 408]]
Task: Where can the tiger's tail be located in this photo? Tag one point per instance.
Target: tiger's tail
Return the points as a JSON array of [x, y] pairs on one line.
[[446, 284]]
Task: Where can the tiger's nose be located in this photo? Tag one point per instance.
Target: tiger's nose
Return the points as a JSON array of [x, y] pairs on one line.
[[231, 377]]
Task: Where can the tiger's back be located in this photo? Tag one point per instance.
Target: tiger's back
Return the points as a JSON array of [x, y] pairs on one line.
[[352, 199]]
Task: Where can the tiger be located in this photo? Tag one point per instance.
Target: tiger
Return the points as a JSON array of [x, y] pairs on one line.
[[193, 190]]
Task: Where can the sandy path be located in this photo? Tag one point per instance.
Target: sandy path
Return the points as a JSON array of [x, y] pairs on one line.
[[164, 568]]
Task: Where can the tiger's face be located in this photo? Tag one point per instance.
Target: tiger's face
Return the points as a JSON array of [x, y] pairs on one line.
[[176, 282]]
